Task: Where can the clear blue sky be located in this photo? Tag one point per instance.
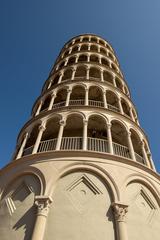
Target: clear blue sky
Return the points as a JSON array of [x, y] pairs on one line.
[[32, 34]]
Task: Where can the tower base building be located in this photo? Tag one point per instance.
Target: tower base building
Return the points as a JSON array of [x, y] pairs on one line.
[[82, 167]]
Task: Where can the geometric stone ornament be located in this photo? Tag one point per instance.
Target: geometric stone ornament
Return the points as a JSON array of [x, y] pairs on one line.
[[120, 211], [81, 192], [145, 205], [17, 197]]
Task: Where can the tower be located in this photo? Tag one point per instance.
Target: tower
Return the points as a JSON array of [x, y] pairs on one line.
[[82, 166]]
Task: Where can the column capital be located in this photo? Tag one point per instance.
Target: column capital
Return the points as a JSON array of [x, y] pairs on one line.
[[109, 125], [69, 90], [42, 128], [43, 203], [120, 211], [62, 122], [85, 121], [53, 94]]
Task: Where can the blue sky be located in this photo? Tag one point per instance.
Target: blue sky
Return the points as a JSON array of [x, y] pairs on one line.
[[32, 34]]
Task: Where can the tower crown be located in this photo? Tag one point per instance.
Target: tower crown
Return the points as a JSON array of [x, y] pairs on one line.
[[85, 106]]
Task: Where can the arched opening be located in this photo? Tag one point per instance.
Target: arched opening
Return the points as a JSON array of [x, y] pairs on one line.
[[85, 39], [118, 83], [114, 67], [71, 60], [31, 140], [101, 42], [111, 56], [77, 40], [46, 103], [77, 96], [95, 97], [60, 99], [125, 90], [82, 58], [94, 58], [93, 39], [66, 53], [62, 64], [80, 71], [93, 48], [119, 138], [73, 132], [103, 51], [55, 80], [75, 49], [84, 47], [125, 107], [112, 101], [136, 142], [105, 62], [107, 77], [49, 137], [95, 73], [67, 75], [97, 134]]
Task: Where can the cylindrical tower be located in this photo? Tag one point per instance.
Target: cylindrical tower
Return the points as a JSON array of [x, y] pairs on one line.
[[82, 161]]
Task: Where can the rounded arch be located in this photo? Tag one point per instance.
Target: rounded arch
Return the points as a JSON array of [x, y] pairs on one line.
[[93, 48], [137, 145], [112, 100], [67, 75], [103, 51], [71, 60], [95, 73], [95, 96], [105, 62], [81, 71], [94, 58], [55, 79], [78, 95], [119, 83], [84, 47], [75, 49], [83, 58], [126, 107], [60, 96], [108, 77], [46, 102]]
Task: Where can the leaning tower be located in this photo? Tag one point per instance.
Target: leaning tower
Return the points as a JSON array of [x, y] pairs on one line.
[[82, 167]]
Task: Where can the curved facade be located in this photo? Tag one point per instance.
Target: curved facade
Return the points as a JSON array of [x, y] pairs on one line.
[[82, 167]]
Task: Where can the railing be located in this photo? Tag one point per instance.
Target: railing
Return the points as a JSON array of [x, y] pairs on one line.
[[76, 102], [113, 108], [96, 144], [71, 143], [76, 143], [28, 151], [58, 105], [139, 158], [48, 145], [121, 150], [95, 103]]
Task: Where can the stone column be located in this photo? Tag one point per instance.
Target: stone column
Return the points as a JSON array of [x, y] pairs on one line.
[[43, 204], [114, 80], [69, 91], [36, 145], [50, 83], [130, 146], [102, 79], [20, 152], [145, 157], [86, 97], [87, 77], [73, 74], [120, 211], [52, 101], [104, 99], [39, 108], [60, 134], [109, 136], [85, 127], [120, 106], [60, 77], [131, 114]]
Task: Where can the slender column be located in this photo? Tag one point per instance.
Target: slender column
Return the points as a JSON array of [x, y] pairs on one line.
[[104, 99], [100, 62], [131, 114], [60, 134], [60, 77], [86, 96], [151, 161], [20, 152], [102, 79], [77, 57], [123, 89], [85, 126], [87, 73], [69, 91], [70, 50], [66, 61], [120, 211], [88, 58], [120, 106], [52, 101], [36, 145], [50, 83], [130, 146], [109, 136], [73, 74], [79, 47], [145, 157], [114, 80], [89, 47], [43, 204], [39, 108]]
